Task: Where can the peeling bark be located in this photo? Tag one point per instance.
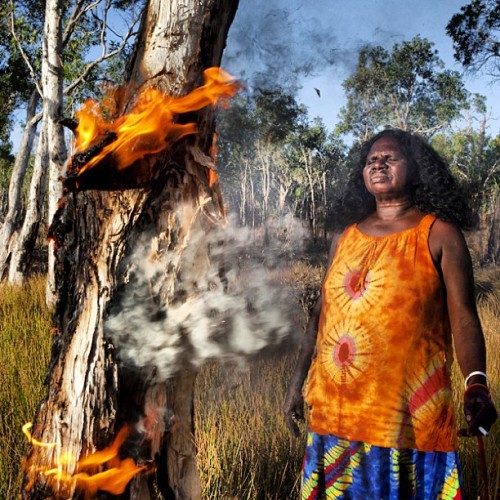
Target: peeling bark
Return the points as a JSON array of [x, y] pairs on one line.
[[10, 224], [52, 86], [25, 242], [90, 394]]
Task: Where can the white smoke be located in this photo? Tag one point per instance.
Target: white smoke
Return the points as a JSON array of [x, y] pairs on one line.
[[227, 308]]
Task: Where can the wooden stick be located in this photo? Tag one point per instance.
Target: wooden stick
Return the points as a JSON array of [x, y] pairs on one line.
[[484, 468]]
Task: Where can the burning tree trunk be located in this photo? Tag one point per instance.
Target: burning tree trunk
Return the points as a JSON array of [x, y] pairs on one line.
[[125, 237]]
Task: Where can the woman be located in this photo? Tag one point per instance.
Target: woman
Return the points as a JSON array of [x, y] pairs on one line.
[[378, 345]]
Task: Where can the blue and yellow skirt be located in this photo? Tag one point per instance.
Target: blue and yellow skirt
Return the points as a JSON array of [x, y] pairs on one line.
[[338, 468]]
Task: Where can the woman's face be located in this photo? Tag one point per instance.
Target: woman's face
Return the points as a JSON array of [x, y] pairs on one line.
[[386, 169]]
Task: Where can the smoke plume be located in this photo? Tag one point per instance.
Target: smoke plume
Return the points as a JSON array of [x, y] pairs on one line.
[[229, 307], [278, 42]]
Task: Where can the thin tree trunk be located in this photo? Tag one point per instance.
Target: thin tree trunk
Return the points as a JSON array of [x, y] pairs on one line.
[[264, 153], [98, 236], [309, 172], [22, 252], [10, 223], [252, 202], [52, 85], [493, 250], [243, 194]]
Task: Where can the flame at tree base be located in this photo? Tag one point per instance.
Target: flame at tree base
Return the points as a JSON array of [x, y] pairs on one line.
[[87, 478]]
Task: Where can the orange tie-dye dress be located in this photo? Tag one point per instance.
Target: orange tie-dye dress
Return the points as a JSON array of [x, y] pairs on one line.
[[380, 373]]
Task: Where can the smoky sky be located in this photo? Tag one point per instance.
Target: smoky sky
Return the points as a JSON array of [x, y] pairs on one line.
[[278, 43], [315, 44]]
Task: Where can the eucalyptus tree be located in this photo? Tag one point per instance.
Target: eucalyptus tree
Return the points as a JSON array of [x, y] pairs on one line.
[[475, 32], [119, 222], [316, 159], [17, 88], [474, 157], [407, 87], [238, 131], [253, 137], [15, 84], [66, 60]]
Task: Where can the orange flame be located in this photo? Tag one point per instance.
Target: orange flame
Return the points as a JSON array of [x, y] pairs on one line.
[[149, 127], [113, 480], [214, 151]]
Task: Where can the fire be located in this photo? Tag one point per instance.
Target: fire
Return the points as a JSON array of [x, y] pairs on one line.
[[113, 480], [149, 127], [214, 151]]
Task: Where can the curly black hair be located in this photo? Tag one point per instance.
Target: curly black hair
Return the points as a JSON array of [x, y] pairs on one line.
[[434, 189]]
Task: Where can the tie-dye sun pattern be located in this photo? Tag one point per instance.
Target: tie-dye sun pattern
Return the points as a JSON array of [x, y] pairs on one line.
[[381, 368]]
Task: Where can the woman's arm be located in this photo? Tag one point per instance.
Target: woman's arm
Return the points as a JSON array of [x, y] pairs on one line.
[[294, 401], [449, 249]]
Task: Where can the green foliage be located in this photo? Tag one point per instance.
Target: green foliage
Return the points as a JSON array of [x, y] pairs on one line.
[[473, 157], [475, 34], [406, 88], [364, 110], [15, 82], [91, 38], [273, 160], [277, 114]]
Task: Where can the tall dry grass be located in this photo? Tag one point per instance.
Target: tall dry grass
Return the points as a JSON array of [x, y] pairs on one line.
[[239, 409], [488, 301], [25, 324], [244, 449]]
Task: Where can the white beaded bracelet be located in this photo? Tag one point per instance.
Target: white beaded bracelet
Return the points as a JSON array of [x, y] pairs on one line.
[[471, 374]]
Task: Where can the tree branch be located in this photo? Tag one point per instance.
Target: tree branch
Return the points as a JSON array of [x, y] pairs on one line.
[[74, 17], [105, 55], [22, 51]]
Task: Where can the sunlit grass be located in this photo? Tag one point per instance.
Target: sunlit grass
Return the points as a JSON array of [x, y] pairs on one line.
[[488, 299], [25, 324], [244, 448]]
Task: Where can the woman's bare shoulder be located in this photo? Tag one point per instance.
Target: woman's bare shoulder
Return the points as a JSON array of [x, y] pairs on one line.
[[446, 237]]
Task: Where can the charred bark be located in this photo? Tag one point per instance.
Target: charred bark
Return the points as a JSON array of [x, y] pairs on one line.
[[91, 394]]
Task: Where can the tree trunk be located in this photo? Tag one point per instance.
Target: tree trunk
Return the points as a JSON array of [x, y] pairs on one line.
[[308, 166], [10, 223], [493, 251], [243, 193], [22, 253], [102, 238], [52, 87]]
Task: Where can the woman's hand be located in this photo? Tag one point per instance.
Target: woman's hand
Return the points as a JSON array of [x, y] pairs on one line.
[[294, 408], [480, 412]]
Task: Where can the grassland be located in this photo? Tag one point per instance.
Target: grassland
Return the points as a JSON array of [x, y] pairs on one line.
[[25, 324], [245, 451]]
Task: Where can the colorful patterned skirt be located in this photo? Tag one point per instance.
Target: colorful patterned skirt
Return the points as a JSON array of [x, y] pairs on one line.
[[338, 468]]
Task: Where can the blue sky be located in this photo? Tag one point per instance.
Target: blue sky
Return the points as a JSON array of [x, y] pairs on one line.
[[311, 27]]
